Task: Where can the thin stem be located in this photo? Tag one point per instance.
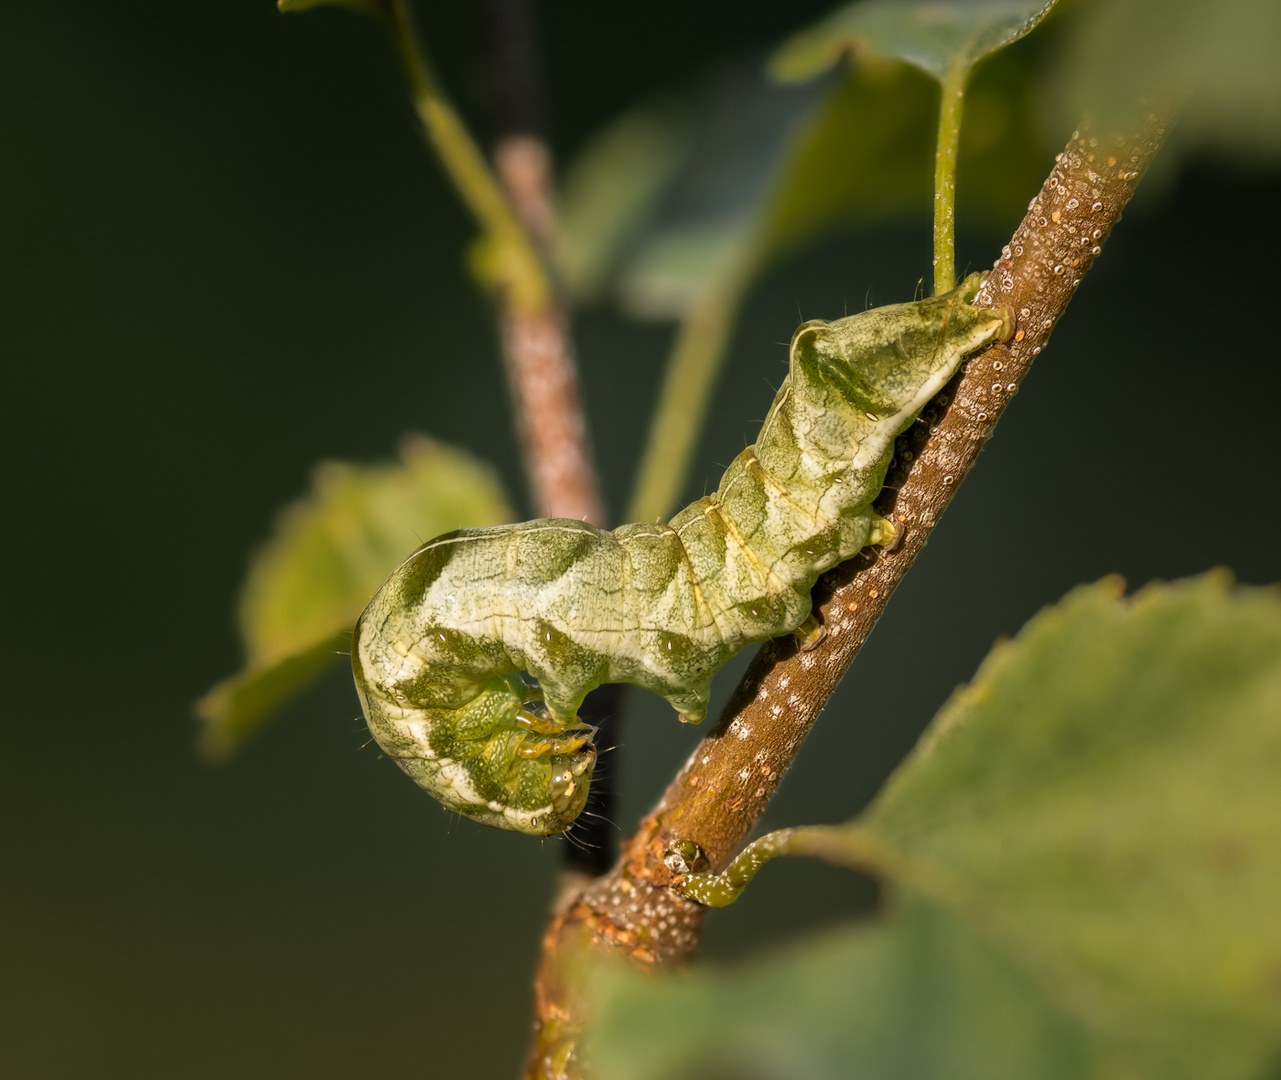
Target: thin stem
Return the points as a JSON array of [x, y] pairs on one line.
[[841, 845], [512, 261], [951, 106]]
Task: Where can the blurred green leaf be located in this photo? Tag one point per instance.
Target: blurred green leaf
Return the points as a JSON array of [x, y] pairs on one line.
[[773, 166], [797, 166], [1082, 873], [1221, 58], [612, 187], [334, 548], [236, 707], [867, 154], [936, 36], [944, 40], [330, 552], [703, 225]]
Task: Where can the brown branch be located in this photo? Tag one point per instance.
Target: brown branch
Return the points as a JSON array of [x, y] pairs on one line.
[[544, 388], [539, 356], [721, 792], [537, 350]]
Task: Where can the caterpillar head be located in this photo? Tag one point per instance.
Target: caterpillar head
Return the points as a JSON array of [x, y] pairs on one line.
[[495, 759], [571, 776]]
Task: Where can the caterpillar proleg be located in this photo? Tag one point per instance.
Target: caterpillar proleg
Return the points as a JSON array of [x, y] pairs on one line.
[[438, 651]]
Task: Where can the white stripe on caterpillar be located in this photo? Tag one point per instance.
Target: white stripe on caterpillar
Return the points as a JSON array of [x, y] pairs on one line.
[[437, 651]]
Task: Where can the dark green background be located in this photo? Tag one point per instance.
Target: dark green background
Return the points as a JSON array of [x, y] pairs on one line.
[[225, 255]]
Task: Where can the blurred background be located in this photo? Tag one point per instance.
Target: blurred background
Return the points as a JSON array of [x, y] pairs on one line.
[[226, 255]]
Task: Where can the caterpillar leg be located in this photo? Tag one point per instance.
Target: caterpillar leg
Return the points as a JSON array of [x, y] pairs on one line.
[[884, 533], [539, 725], [552, 746], [809, 633], [691, 707]]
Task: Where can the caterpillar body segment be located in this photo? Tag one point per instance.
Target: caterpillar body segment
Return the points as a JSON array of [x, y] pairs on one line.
[[437, 652]]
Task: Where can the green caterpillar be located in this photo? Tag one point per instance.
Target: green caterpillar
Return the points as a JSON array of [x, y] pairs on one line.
[[438, 651]]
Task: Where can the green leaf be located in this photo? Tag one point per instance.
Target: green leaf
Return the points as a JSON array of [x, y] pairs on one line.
[[937, 37], [800, 166], [330, 552], [1081, 866], [866, 155], [612, 187], [704, 225], [237, 706]]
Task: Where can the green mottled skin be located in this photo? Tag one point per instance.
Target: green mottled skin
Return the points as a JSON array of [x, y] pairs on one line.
[[661, 606]]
